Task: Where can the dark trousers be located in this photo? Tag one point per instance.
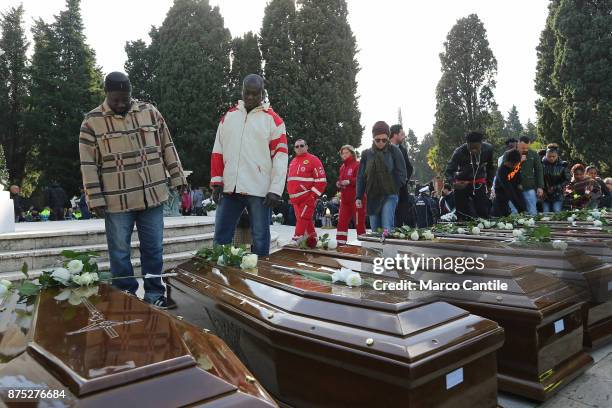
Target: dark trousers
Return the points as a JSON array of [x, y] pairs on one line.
[[57, 214], [405, 211], [472, 202]]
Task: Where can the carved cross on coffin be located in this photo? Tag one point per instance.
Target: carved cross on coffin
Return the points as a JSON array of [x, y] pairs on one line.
[[97, 321]]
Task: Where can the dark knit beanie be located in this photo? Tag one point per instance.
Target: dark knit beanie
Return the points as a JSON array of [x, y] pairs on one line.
[[380, 127], [117, 81]]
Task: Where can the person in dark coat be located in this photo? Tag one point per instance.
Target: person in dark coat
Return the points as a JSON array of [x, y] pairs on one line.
[[406, 201], [470, 171], [18, 203], [508, 185], [447, 201], [382, 173], [56, 199]]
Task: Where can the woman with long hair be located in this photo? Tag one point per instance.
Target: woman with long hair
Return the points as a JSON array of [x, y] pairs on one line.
[[382, 173], [556, 177], [347, 184]]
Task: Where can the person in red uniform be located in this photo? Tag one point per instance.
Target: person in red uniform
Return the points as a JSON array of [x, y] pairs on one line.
[[347, 184], [305, 183]]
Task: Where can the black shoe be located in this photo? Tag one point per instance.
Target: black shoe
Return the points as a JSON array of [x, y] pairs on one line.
[[164, 304]]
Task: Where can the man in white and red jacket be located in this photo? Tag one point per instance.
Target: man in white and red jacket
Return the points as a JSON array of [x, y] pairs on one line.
[[347, 184], [305, 183], [248, 166]]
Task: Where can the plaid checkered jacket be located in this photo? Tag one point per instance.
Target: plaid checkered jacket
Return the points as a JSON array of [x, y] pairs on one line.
[[126, 160]]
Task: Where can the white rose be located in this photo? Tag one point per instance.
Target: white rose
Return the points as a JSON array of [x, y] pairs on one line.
[[402, 236], [353, 279], [249, 261], [428, 235], [596, 214], [319, 244], [597, 223], [475, 230], [62, 275], [461, 231], [85, 279], [545, 218], [530, 222], [521, 221], [414, 236], [6, 283], [3, 290], [517, 232], [332, 244], [220, 260], [235, 251], [570, 219], [75, 266], [589, 218], [341, 275], [558, 244], [481, 225], [501, 225], [487, 224]]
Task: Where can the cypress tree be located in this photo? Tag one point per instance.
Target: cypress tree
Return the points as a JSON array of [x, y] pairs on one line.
[[513, 127], [246, 59], [464, 95], [66, 84], [326, 51], [13, 92]]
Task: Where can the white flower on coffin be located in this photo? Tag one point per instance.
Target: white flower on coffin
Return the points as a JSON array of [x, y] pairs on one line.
[[414, 236], [530, 222], [428, 235], [6, 283], [481, 225], [475, 230], [571, 219], [501, 225], [487, 223], [589, 218], [235, 251], [63, 295], [402, 236], [75, 296], [509, 226], [353, 279], [332, 244], [85, 279], [249, 261], [545, 218], [461, 231], [596, 214], [517, 233], [597, 223], [558, 244], [221, 260], [75, 266], [319, 244], [341, 275], [3, 290], [521, 221], [62, 275], [450, 217]]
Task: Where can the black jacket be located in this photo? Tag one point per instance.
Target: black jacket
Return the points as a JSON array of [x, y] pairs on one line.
[[409, 169], [556, 176], [447, 203], [55, 197], [462, 164]]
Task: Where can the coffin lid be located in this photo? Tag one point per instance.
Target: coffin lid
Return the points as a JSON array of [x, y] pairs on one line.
[[97, 341], [335, 312]]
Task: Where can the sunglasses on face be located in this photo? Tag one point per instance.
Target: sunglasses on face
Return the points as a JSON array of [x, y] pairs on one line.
[[381, 140], [299, 146]]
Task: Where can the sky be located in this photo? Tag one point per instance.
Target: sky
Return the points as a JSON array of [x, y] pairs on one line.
[[399, 42]]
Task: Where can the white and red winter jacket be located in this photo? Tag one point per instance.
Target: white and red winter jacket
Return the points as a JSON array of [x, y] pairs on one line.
[[250, 152], [306, 178]]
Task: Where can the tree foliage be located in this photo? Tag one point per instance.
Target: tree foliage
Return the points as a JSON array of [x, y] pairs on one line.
[[246, 59], [65, 85], [13, 93], [464, 94]]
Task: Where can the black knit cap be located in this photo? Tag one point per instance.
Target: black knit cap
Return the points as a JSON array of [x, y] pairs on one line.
[[380, 128], [117, 81]]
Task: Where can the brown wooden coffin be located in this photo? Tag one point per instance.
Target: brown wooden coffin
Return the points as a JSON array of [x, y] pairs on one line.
[[317, 344], [98, 347], [540, 314], [573, 266]]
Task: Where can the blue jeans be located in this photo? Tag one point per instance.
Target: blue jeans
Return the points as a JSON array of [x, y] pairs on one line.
[[386, 217], [150, 225], [552, 206], [228, 214], [531, 201]]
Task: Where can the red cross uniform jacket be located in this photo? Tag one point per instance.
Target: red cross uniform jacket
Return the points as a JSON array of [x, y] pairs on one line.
[[349, 171], [306, 178]]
